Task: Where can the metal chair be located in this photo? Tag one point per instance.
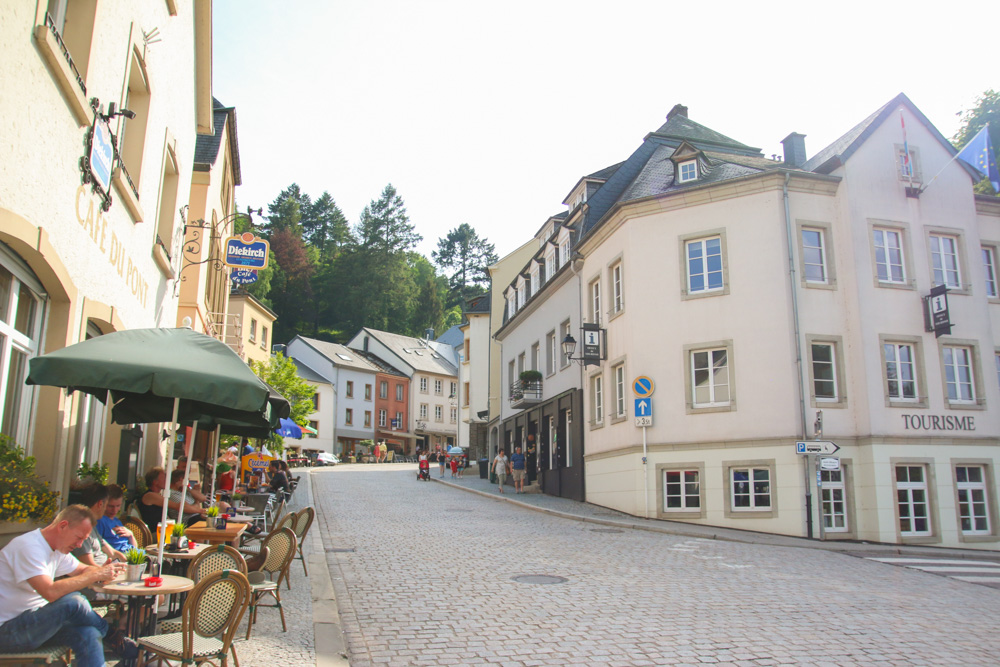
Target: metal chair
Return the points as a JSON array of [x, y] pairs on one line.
[[281, 551], [212, 610], [140, 531], [252, 544], [303, 521]]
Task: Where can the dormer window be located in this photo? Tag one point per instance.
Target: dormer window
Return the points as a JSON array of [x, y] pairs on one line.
[[687, 171]]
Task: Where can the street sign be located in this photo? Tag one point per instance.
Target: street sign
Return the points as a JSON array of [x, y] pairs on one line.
[[829, 463], [644, 421], [643, 407], [816, 447], [643, 386]]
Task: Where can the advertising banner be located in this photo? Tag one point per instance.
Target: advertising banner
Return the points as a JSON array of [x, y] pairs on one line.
[[256, 463], [246, 252]]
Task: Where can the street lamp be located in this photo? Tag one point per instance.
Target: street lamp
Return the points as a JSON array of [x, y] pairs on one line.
[[569, 347]]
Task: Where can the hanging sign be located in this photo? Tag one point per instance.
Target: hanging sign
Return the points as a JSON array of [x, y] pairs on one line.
[[244, 276], [936, 315], [246, 252], [594, 344]]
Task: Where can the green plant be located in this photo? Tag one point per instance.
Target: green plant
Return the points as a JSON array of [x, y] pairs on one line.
[[530, 376], [97, 472], [177, 530], [237, 496], [136, 557], [22, 495], [212, 511]]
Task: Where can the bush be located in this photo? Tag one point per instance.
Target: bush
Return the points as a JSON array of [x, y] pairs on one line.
[[22, 495]]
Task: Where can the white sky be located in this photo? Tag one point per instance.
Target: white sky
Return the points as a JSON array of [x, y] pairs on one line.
[[488, 113]]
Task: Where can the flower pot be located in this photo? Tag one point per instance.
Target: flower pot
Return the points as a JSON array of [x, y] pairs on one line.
[[135, 572], [178, 542], [211, 521]]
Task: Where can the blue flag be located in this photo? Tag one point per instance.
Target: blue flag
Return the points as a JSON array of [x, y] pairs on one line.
[[978, 154]]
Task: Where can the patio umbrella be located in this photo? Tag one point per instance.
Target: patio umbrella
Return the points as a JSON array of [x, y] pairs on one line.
[[158, 375], [289, 429]]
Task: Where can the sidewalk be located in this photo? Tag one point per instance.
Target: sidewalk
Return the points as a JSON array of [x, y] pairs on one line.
[[581, 511]]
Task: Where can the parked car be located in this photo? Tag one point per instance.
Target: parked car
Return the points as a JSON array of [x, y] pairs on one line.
[[297, 462], [326, 459]]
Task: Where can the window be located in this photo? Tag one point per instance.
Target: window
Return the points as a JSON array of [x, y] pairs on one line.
[[438, 413], [511, 374], [350, 389], [534, 278], [944, 261], [263, 338], [315, 401], [21, 315], [681, 490], [751, 488], [166, 216], [74, 32], [617, 300], [824, 371], [454, 415], [132, 135], [399, 392], [704, 265], [550, 265], [595, 301], [970, 482], [814, 255], [710, 378], [399, 421], [314, 425], [368, 419], [423, 385], [535, 353], [381, 418], [619, 378], [908, 167], [597, 399], [832, 497], [423, 411], [564, 251], [900, 371], [437, 387], [550, 353], [349, 417], [889, 255], [253, 330], [383, 389], [687, 171], [958, 374], [466, 393], [454, 388], [990, 269], [368, 392], [563, 332], [911, 499]]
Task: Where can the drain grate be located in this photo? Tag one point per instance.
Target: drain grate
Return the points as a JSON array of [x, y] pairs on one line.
[[340, 550], [539, 579], [606, 530]]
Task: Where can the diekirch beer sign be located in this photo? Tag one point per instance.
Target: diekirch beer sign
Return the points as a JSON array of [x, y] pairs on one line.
[[246, 252]]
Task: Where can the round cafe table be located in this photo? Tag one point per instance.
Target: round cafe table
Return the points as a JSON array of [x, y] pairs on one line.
[[139, 597]]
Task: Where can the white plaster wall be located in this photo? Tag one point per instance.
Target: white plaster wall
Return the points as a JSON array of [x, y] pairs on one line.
[[323, 417]]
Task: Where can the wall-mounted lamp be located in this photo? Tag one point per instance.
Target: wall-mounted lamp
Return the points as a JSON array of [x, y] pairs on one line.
[[569, 347], [112, 112]]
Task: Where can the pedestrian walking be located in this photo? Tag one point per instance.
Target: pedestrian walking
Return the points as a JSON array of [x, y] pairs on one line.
[[501, 465], [454, 467], [518, 470], [442, 460]]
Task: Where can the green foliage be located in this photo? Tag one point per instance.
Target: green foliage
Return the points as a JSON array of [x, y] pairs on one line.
[[469, 256], [212, 511], [96, 473], [22, 495], [987, 110], [281, 373], [177, 530], [137, 556]]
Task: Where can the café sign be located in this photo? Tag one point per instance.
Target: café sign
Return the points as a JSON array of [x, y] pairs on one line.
[[246, 252]]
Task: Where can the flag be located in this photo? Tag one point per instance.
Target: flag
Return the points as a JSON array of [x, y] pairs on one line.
[[978, 154], [907, 168]]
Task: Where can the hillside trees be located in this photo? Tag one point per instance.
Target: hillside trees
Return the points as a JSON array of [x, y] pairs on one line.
[[468, 255]]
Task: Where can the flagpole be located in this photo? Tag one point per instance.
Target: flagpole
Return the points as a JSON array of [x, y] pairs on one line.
[[953, 158]]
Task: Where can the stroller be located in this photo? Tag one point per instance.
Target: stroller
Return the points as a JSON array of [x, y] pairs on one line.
[[424, 472]]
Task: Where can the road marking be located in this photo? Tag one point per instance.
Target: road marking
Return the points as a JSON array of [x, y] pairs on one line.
[[963, 570], [939, 561]]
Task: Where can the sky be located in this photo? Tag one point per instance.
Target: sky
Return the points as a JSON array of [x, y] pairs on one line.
[[488, 113]]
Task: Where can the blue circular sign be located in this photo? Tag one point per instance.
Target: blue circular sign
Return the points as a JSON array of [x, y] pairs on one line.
[[643, 386]]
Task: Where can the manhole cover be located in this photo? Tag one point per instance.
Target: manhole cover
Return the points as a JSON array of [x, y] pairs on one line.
[[340, 550], [606, 530], [539, 579]]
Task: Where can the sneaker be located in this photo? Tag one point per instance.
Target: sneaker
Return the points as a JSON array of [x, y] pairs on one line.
[[122, 646]]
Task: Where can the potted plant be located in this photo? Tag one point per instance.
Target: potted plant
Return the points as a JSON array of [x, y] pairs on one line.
[[26, 498], [527, 377], [136, 560], [177, 539], [211, 516]]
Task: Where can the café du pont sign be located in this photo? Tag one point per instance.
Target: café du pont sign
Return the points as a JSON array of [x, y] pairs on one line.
[[244, 276], [246, 252]]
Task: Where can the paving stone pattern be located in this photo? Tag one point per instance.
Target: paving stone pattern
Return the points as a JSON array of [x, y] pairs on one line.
[[430, 583]]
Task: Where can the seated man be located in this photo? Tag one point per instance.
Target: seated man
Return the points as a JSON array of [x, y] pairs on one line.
[[178, 495], [194, 486], [110, 527], [95, 550], [34, 607], [151, 504]]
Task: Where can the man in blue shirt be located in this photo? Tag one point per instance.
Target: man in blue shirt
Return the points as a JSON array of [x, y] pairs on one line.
[[110, 527], [518, 469]]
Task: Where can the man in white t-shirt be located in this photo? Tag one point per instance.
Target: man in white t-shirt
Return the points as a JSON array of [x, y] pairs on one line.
[[36, 607]]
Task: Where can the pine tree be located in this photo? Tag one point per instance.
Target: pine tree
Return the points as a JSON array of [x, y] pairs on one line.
[[469, 256]]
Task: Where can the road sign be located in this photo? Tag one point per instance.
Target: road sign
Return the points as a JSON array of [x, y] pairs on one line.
[[829, 463], [816, 447], [643, 407], [643, 386], [644, 421]]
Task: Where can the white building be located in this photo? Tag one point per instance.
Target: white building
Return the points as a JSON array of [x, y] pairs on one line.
[[323, 417], [474, 377]]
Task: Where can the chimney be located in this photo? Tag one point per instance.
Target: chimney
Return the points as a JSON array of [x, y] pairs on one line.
[[795, 149], [678, 110], [429, 334]]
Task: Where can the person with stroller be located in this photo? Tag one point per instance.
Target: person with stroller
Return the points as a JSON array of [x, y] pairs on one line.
[[424, 466]]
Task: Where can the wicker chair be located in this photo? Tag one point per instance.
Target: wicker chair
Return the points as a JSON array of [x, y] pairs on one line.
[[267, 581], [303, 521], [140, 531], [211, 614], [216, 559], [46, 654], [250, 544]]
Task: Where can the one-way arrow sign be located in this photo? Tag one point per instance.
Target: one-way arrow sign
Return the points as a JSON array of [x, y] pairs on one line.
[[643, 407], [816, 447]]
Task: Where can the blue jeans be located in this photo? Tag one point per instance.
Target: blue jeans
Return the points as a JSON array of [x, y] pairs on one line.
[[69, 620]]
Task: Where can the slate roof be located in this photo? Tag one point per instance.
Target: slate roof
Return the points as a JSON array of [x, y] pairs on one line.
[[682, 128], [332, 350], [657, 177], [380, 364], [206, 147], [414, 351], [306, 373], [605, 174], [478, 304], [453, 337]]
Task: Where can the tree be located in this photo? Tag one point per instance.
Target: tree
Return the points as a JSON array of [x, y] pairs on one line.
[[987, 110], [385, 227], [292, 283], [469, 256], [432, 289], [324, 225], [281, 373], [285, 212]]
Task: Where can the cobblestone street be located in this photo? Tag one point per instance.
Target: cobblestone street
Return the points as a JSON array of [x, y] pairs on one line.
[[423, 576]]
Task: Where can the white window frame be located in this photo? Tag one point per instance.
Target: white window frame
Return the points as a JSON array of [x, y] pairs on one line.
[[423, 411], [551, 350], [909, 488], [945, 266], [454, 415], [816, 253], [399, 391], [752, 481], [15, 418], [815, 365], [423, 385], [597, 399], [381, 418], [967, 491], [688, 501], [703, 248], [893, 358], [713, 386], [383, 389], [595, 300], [617, 286], [438, 387], [989, 256], [438, 413], [618, 373], [833, 501], [882, 239], [564, 330], [687, 171], [959, 374]]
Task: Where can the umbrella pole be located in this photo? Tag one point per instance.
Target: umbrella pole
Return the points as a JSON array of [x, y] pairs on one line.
[[187, 470], [215, 457], [166, 491]]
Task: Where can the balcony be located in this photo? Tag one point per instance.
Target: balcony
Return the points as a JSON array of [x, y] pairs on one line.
[[525, 393], [228, 328]]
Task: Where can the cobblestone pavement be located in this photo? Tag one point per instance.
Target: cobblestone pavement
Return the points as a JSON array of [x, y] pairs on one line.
[[423, 576]]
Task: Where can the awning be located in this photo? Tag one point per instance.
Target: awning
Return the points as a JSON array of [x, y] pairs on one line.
[[396, 434]]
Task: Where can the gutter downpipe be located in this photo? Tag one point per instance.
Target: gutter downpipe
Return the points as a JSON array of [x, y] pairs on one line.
[[798, 352]]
